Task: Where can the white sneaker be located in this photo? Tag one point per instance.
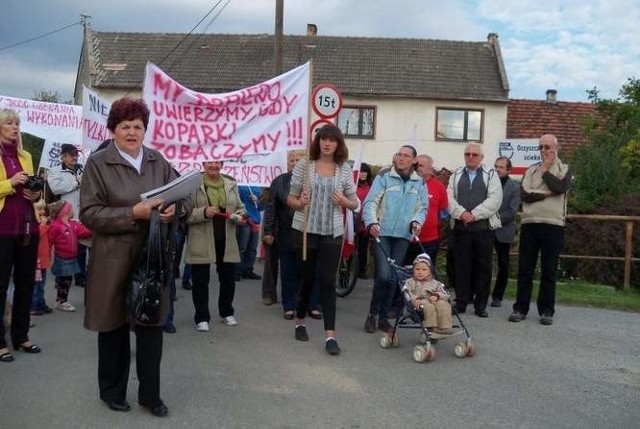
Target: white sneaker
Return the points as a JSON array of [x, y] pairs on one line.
[[202, 327], [65, 306], [229, 320]]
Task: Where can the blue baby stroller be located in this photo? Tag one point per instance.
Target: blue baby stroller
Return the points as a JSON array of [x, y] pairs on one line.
[[412, 318]]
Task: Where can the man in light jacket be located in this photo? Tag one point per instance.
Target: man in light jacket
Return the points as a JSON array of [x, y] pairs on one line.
[[544, 207], [393, 212], [64, 182], [475, 195]]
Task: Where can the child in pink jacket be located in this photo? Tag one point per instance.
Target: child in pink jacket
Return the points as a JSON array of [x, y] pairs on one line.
[[64, 233]]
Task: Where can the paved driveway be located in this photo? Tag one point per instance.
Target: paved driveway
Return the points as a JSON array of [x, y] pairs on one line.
[[583, 372]]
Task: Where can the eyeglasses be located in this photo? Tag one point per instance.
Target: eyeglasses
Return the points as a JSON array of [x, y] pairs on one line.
[[471, 154], [544, 146]]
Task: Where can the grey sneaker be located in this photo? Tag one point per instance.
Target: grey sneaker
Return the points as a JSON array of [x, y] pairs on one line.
[[546, 319], [516, 316]]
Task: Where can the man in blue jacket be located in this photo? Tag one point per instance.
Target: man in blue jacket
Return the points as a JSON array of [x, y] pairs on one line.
[[393, 212]]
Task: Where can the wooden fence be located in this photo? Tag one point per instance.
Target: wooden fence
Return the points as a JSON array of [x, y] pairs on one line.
[[628, 246]]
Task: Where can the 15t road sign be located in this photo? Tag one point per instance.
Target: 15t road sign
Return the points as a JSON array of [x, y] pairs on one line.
[[327, 100]]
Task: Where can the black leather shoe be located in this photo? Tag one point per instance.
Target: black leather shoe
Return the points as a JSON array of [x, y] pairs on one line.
[[159, 410], [169, 329], [251, 276], [301, 333], [482, 313], [118, 406]]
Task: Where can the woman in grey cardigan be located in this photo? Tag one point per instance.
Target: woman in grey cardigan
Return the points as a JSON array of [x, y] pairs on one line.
[[328, 190]]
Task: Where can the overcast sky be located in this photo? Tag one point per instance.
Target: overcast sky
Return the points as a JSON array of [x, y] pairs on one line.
[[568, 45]]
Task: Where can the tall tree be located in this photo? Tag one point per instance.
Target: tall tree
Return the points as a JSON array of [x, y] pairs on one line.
[[605, 168]]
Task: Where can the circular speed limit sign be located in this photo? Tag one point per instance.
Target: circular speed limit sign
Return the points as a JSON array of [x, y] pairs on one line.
[[327, 100]]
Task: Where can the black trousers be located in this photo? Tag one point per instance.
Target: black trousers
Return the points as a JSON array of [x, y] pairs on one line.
[[546, 240], [323, 257], [270, 274], [19, 256], [200, 276], [114, 357], [502, 277], [473, 253]]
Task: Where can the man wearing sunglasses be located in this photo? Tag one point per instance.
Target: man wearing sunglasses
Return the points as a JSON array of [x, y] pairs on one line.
[[544, 205], [475, 195]]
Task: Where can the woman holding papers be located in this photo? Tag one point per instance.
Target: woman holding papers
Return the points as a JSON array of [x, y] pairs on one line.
[[110, 206], [321, 187], [212, 238]]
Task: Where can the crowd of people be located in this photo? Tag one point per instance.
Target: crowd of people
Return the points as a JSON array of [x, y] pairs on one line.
[[96, 210]]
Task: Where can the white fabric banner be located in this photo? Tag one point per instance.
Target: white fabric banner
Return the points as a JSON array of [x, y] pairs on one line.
[[190, 127], [95, 112], [50, 121]]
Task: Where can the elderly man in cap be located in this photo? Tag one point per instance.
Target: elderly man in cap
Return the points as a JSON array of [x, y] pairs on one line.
[[64, 182]]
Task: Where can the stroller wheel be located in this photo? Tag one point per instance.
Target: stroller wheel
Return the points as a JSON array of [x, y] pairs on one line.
[[460, 350], [419, 354], [385, 341], [471, 349], [430, 354]]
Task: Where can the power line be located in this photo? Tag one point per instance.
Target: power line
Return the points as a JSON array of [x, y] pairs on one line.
[[41, 36], [190, 32]]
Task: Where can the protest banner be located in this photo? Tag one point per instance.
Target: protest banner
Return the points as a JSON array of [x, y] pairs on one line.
[[256, 170], [95, 113], [50, 121], [190, 127]]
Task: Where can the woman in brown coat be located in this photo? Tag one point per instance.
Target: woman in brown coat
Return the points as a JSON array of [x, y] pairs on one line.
[[110, 206]]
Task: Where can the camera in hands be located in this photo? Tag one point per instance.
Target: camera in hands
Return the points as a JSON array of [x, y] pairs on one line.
[[34, 183]]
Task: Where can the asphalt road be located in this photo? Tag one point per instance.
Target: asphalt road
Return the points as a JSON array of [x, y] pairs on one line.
[[582, 372]]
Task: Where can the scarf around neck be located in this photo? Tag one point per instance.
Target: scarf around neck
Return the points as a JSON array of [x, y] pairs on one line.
[[215, 191]]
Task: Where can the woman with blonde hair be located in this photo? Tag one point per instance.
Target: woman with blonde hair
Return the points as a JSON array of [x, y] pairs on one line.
[[19, 233]]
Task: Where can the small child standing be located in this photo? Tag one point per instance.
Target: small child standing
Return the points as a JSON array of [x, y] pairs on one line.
[[38, 303], [430, 295], [64, 233]]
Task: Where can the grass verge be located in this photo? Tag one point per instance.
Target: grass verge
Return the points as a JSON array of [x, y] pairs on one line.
[[587, 295]]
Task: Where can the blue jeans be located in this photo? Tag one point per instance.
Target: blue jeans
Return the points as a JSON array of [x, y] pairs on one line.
[[384, 285], [81, 277], [247, 245], [172, 299], [38, 302], [186, 273]]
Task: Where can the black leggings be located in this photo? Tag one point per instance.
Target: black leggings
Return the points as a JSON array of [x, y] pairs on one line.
[[323, 257]]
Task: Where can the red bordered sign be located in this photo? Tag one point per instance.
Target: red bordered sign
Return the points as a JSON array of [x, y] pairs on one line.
[[316, 126], [327, 100]]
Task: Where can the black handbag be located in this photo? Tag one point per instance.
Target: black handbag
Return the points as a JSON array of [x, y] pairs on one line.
[[147, 278]]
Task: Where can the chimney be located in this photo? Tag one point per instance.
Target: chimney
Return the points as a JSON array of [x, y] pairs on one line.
[[492, 38], [310, 38], [551, 96], [312, 30]]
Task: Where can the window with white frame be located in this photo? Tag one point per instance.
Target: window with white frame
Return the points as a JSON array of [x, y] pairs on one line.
[[458, 124], [357, 121]]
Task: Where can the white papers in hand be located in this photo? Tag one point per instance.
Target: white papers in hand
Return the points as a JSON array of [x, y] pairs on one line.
[[177, 189]]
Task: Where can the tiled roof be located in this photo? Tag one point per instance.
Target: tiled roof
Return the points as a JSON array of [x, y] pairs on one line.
[[528, 119], [359, 66]]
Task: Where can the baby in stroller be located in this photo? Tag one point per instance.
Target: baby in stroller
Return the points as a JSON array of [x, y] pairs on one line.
[[429, 295]]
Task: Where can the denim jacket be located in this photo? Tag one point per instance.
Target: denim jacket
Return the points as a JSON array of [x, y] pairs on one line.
[[394, 203]]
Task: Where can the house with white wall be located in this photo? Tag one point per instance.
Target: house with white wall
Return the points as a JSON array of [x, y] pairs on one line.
[[434, 94]]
